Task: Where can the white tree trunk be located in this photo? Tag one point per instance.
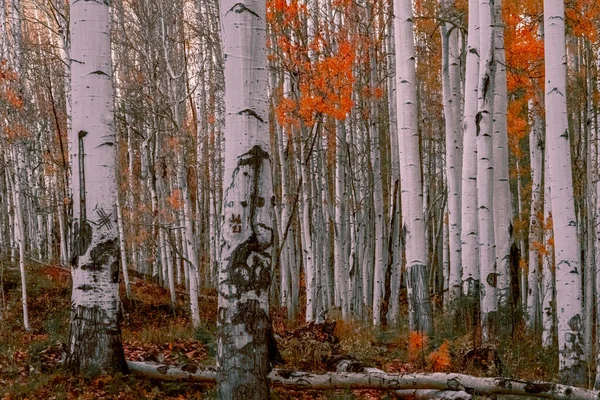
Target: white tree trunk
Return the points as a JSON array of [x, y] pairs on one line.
[[469, 236], [566, 242], [548, 291], [452, 117], [502, 195], [395, 214], [122, 249], [95, 339], [536, 233], [19, 225], [420, 318], [485, 168], [247, 233]]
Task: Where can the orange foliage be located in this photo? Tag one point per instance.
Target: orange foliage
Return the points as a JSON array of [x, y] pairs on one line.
[[440, 359], [583, 18], [322, 72], [416, 343], [175, 199]]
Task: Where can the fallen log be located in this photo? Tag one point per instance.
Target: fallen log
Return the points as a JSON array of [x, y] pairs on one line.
[[432, 394], [379, 381], [351, 364]]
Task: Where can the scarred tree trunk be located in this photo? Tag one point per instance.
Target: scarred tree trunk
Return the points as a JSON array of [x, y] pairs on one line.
[[244, 326], [95, 338], [566, 242]]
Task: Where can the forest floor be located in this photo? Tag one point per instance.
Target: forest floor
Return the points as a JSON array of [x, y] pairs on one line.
[[30, 362]]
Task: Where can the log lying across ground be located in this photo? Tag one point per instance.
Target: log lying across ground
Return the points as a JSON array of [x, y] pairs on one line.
[[380, 381]]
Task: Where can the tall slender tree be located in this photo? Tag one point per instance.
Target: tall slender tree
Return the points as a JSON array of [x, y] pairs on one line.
[[95, 338], [566, 241], [247, 233], [420, 318]]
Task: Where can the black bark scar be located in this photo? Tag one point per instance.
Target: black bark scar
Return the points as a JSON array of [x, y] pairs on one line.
[[249, 264], [240, 8]]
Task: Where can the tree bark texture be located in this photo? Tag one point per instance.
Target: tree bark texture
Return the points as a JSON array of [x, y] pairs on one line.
[[566, 241], [244, 326], [95, 338]]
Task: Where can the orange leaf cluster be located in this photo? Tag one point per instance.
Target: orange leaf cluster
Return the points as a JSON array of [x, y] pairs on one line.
[[322, 71], [440, 360], [175, 199], [416, 343]]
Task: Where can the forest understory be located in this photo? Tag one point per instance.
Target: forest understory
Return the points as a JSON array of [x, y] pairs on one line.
[[31, 362]]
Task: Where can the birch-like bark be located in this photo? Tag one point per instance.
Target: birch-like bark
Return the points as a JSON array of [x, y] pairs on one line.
[[19, 225], [378, 200], [485, 169], [502, 194], [566, 242], [95, 338], [307, 241], [395, 236], [244, 326], [122, 249], [536, 232], [590, 264], [420, 318], [452, 117], [548, 289], [341, 267], [469, 236]]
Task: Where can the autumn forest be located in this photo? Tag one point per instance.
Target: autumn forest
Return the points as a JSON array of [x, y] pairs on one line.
[[299, 199]]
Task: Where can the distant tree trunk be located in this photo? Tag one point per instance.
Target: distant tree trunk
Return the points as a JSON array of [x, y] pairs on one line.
[[452, 116], [122, 249], [95, 338], [548, 285], [244, 325], [536, 231], [378, 198], [395, 235], [566, 242], [19, 224], [420, 318]]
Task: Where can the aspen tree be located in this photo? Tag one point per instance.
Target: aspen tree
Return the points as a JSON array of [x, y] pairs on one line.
[[95, 337], [566, 242], [536, 233], [485, 168], [502, 195], [452, 116], [244, 325], [420, 318], [469, 236]]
